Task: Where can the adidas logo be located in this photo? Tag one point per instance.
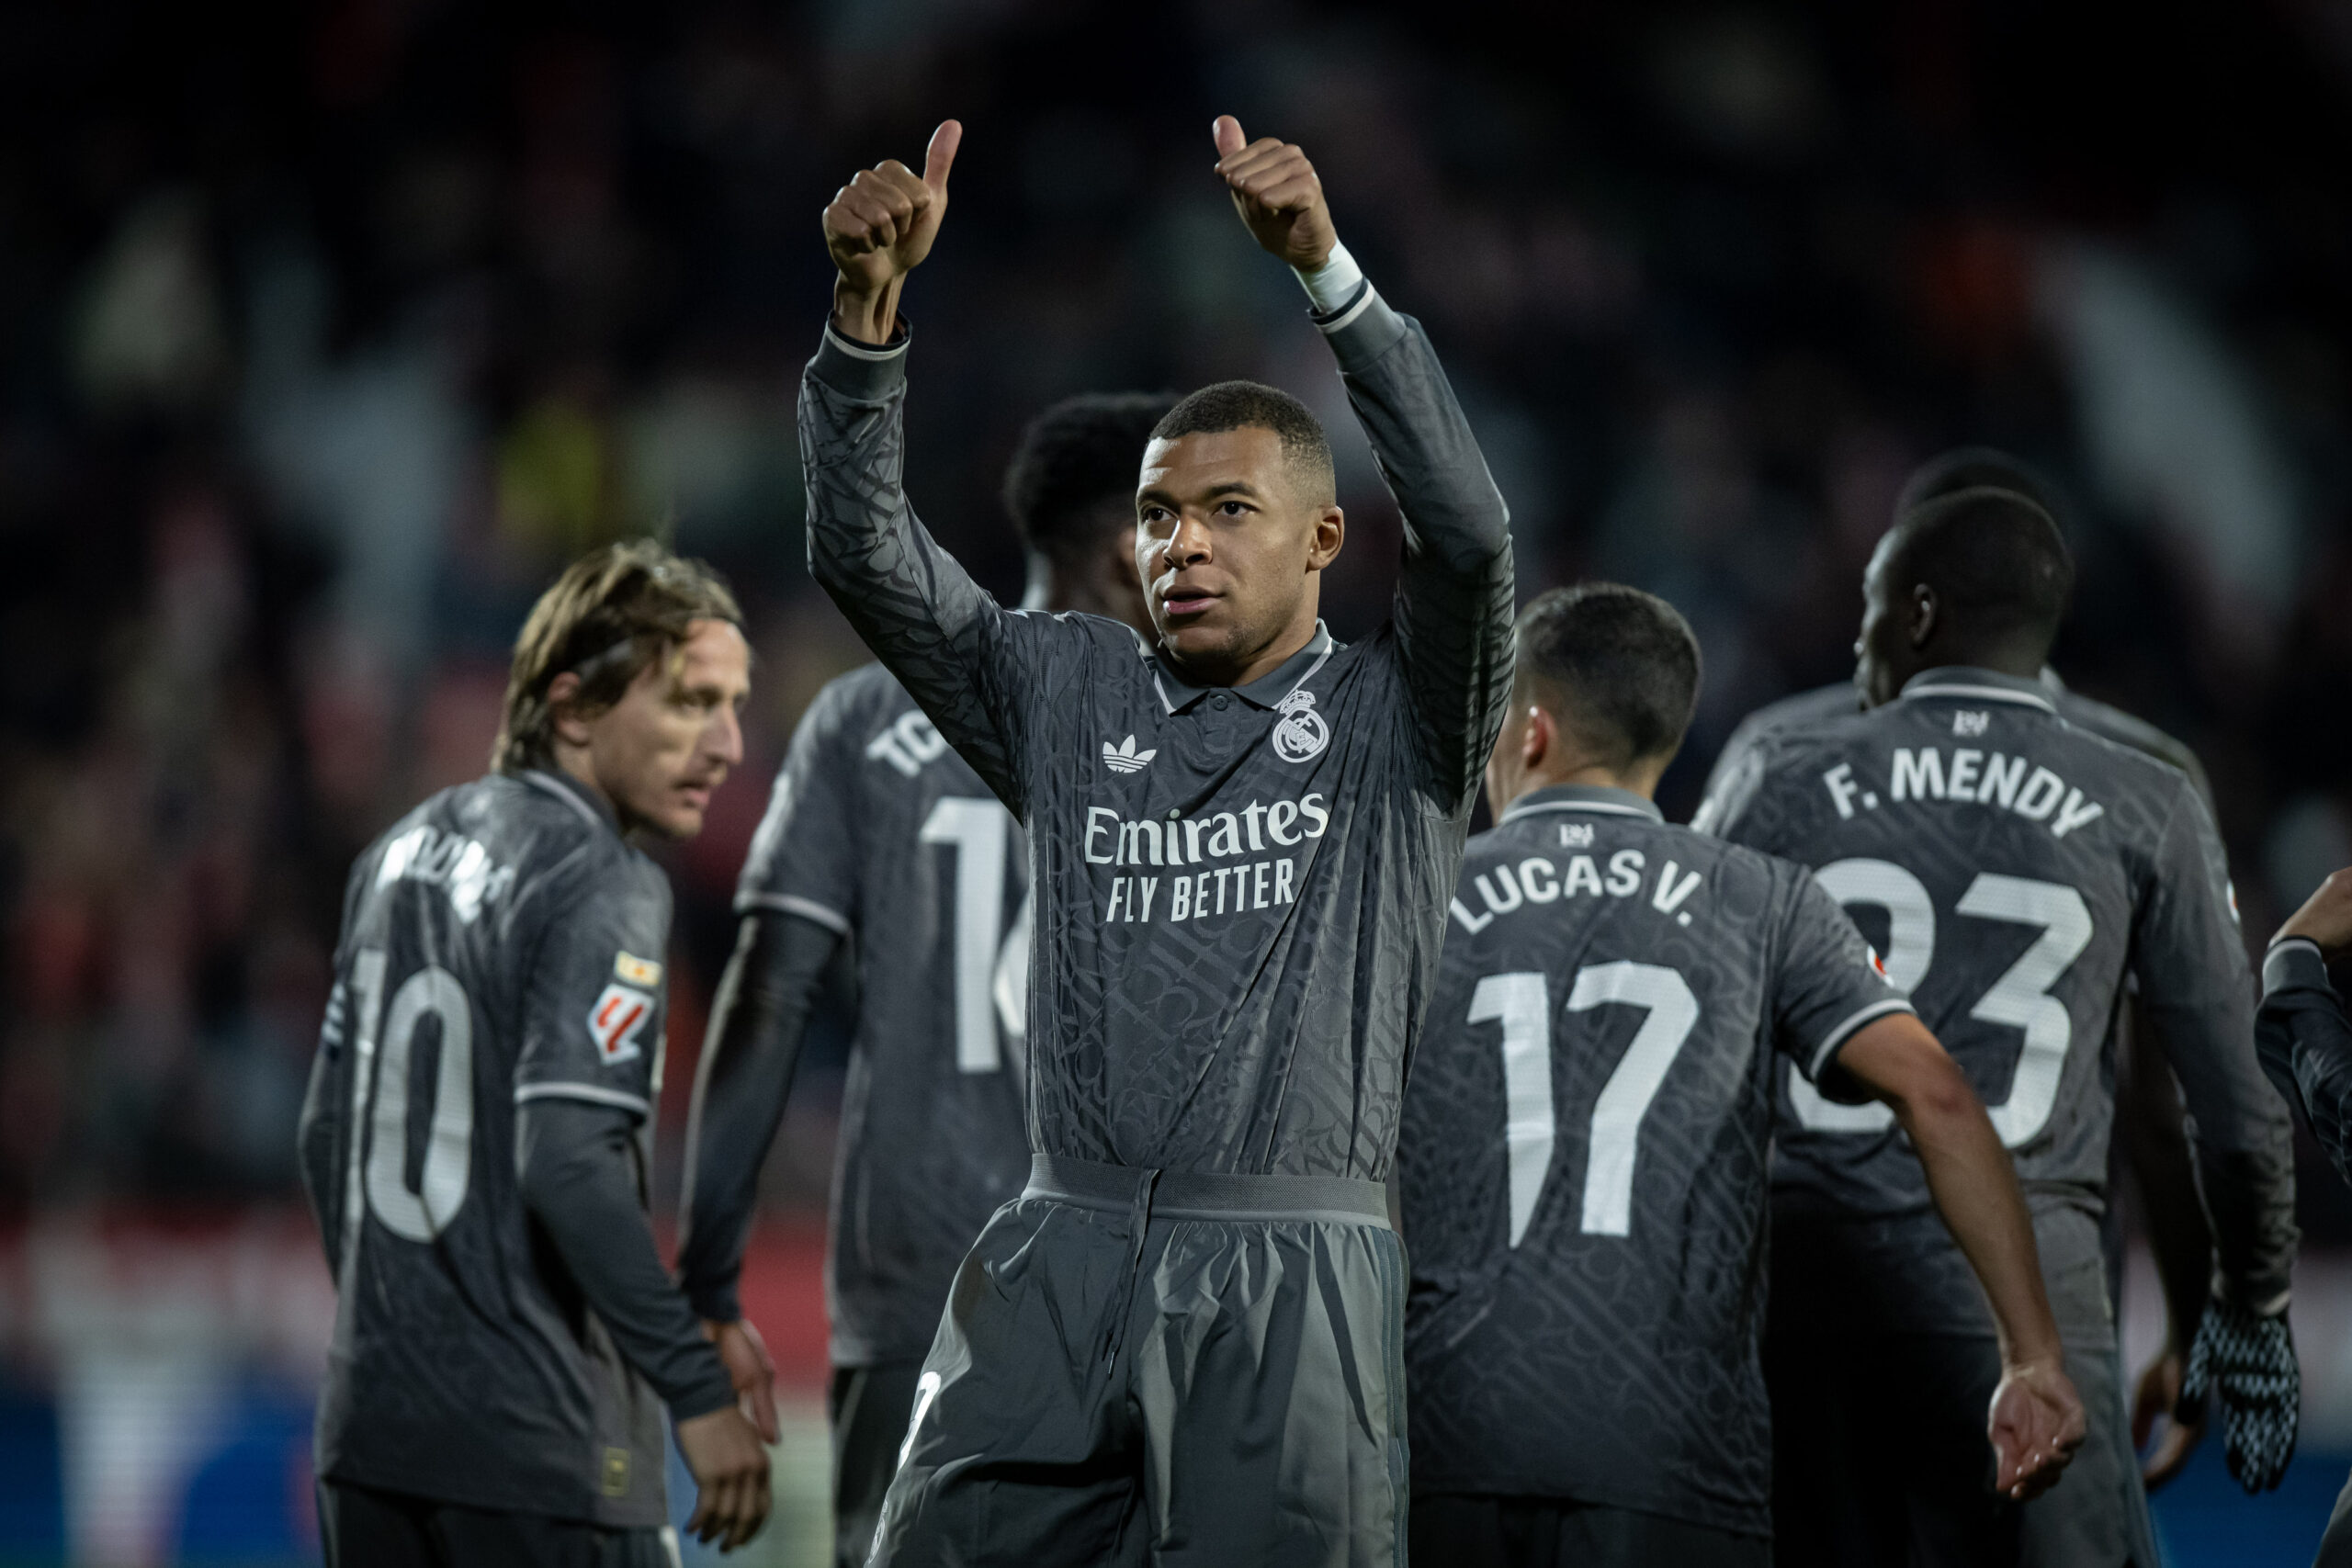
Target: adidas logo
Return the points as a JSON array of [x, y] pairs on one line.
[[1123, 758]]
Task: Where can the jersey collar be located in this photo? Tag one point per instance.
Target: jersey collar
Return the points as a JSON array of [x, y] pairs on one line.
[[1266, 691], [575, 795], [1967, 684], [1584, 798]]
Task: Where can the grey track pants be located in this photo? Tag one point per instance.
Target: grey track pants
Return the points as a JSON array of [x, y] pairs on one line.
[[1145, 1367]]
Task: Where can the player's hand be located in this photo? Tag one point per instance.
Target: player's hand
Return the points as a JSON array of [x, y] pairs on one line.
[[731, 1472], [879, 227], [2158, 1393], [1275, 191], [2250, 1361], [2036, 1425], [745, 1356], [2326, 916]]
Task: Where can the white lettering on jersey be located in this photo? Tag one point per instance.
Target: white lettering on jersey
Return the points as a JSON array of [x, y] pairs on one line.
[[1539, 879], [1671, 893], [907, 743], [1842, 788], [1968, 723], [449, 860], [1974, 777], [613, 1022], [1112, 839], [1228, 889]]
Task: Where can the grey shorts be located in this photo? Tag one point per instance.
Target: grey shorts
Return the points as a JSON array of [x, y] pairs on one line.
[[1180, 1369]]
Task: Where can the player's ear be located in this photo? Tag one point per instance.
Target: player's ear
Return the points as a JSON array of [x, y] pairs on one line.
[[1926, 612], [1326, 535], [563, 710], [1537, 739]]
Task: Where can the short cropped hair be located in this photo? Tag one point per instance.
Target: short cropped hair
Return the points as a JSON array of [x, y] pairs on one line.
[[1241, 405], [1972, 467], [611, 615], [1616, 667], [1075, 460], [1996, 559]]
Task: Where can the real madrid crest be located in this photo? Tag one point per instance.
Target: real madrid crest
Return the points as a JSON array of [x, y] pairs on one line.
[[1301, 733]]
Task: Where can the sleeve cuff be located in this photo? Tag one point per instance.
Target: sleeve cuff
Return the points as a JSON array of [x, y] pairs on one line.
[[1849, 1026], [2294, 963], [714, 1303], [1334, 285], [714, 1390], [860, 370], [586, 1094], [825, 915], [2269, 1306], [1362, 330]]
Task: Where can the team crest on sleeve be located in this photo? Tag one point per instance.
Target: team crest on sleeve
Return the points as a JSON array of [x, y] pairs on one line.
[[615, 1020], [1301, 734]]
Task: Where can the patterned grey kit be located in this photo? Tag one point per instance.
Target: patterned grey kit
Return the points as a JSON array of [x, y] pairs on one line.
[[2019, 868], [876, 828], [1239, 900], [501, 943], [1583, 1156], [1239, 892]]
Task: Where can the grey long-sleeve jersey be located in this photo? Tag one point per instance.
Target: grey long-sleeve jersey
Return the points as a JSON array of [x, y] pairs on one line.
[[473, 1145], [879, 833], [1239, 894], [2019, 869]]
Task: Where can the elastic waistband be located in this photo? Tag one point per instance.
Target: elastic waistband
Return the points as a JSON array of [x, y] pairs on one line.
[[1201, 1195]]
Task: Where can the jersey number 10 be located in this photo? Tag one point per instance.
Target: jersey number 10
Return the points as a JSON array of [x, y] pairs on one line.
[[2019, 999], [384, 1039]]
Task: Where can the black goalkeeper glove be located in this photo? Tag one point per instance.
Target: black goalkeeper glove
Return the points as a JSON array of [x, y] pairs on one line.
[[2251, 1360]]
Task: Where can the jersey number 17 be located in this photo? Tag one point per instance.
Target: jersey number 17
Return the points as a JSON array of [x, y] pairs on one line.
[[1521, 1003]]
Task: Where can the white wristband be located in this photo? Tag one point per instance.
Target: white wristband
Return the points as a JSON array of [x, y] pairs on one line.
[[1334, 282]]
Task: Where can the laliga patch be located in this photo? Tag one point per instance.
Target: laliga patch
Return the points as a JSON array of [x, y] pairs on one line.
[[1301, 733], [637, 971], [1878, 965], [615, 1021]]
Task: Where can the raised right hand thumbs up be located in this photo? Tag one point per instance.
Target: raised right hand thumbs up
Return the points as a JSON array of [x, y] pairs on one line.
[[879, 227]]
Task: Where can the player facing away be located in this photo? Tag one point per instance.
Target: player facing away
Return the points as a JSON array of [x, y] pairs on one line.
[[2022, 868], [880, 835], [474, 1140], [1949, 473], [1586, 1134], [2148, 1136], [2305, 1039], [1181, 1344]]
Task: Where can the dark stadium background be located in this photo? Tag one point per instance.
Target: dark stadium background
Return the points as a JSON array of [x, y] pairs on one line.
[[327, 332]]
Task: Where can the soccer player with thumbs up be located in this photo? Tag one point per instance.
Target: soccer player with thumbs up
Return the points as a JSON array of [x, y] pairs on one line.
[[1182, 1343]]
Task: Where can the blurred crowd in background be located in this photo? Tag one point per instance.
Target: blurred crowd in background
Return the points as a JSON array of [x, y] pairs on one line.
[[329, 332]]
